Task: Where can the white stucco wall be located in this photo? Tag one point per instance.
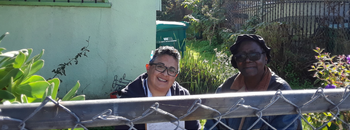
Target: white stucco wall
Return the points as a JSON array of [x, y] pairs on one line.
[[121, 39]]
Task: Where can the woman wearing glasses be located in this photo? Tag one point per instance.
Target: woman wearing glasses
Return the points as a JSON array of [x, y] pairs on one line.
[[250, 57], [159, 80]]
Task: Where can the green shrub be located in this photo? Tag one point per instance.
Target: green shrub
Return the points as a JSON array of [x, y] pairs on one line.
[[333, 71], [18, 84], [201, 76], [207, 17], [172, 10], [194, 75], [286, 51]]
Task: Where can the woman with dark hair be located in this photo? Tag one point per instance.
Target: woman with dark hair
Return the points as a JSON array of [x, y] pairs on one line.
[[250, 57], [159, 80]]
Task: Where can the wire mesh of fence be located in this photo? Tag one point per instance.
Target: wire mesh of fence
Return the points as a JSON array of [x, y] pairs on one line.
[[215, 106]]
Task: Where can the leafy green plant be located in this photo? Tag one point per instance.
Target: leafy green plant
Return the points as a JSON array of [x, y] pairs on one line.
[[250, 25], [195, 76], [207, 17], [201, 76], [172, 10], [295, 80], [221, 66], [332, 71], [286, 50], [317, 120], [18, 82]]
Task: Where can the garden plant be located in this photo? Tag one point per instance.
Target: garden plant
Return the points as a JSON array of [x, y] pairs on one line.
[[332, 72], [19, 84]]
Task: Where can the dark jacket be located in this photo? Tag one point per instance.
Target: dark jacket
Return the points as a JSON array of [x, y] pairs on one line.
[[279, 122], [135, 89]]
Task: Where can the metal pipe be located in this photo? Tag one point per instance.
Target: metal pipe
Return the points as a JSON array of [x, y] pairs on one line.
[[53, 117]]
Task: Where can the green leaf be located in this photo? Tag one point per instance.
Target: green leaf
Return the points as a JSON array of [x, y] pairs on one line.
[[3, 60], [1, 49], [24, 98], [37, 65], [309, 119], [33, 78], [20, 59], [48, 91], [6, 80], [34, 89], [324, 128], [31, 99], [25, 74], [30, 51], [6, 95], [3, 35], [71, 92], [11, 85], [36, 58], [5, 70], [77, 98], [329, 124], [7, 61], [56, 81]]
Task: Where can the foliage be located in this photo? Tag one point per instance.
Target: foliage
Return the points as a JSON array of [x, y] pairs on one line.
[[221, 66], [202, 46], [229, 37], [207, 17], [250, 25], [295, 80], [195, 75], [333, 70], [317, 120], [18, 84], [172, 10], [201, 76], [61, 69], [284, 49]]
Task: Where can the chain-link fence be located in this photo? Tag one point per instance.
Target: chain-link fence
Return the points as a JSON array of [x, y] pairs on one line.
[[113, 112]]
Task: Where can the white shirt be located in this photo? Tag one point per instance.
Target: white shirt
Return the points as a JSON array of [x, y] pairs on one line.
[[160, 125]]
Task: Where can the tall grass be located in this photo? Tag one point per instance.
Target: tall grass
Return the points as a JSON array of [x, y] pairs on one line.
[[201, 76]]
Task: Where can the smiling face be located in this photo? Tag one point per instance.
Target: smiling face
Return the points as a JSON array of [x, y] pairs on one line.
[[158, 82], [249, 68]]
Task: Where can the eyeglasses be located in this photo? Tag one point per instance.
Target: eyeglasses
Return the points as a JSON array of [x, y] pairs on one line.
[[253, 56], [160, 67]]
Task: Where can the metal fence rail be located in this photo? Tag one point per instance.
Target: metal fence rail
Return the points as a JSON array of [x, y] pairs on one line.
[[111, 112]]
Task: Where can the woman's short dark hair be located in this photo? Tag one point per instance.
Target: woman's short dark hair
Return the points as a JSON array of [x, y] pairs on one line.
[[249, 37], [167, 50]]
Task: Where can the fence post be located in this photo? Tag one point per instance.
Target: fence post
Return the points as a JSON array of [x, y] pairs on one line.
[[262, 9]]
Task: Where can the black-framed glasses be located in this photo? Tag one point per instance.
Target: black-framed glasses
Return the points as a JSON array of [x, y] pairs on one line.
[[160, 67], [253, 56]]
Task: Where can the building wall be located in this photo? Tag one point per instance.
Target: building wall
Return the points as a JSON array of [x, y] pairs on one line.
[[121, 39]]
